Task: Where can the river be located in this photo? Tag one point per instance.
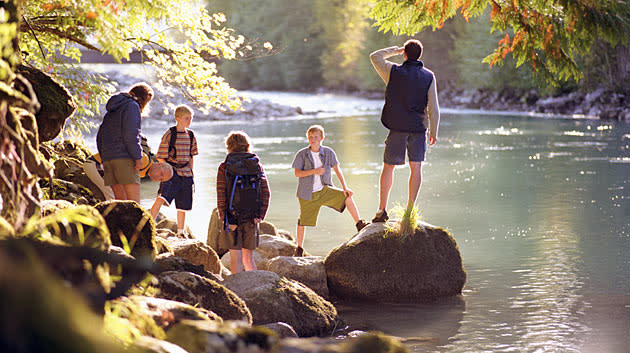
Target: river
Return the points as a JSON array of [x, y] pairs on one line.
[[540, 209]]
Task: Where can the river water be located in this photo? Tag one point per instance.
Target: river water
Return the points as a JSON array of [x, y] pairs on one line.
[[540, 209]]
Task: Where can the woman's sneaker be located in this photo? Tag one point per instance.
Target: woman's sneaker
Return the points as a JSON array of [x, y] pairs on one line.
[[381, 216]]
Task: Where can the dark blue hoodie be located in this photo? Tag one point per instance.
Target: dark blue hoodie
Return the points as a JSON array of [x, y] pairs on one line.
[[119, 133]]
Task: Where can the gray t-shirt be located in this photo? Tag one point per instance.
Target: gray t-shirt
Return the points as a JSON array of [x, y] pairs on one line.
[[304, 161]]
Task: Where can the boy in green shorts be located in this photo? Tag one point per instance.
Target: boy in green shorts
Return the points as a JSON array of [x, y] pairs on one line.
[[313, 166]]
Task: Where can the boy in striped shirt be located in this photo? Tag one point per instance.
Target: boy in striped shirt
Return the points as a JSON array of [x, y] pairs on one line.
[[177, 148]]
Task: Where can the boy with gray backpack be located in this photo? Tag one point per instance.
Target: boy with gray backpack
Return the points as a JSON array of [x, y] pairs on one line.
[[242, 199]]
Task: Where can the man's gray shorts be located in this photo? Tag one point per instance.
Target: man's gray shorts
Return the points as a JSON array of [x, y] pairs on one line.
[[397, 142]]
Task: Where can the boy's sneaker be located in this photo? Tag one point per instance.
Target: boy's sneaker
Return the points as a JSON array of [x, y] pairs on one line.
[[381, 216], [299, 252], [361, 224]]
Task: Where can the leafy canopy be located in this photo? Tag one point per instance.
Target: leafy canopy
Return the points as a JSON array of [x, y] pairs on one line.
[[179, 38], [548, 34]]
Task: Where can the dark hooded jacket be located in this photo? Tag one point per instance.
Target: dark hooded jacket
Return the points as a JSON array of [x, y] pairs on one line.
[[119, 133]]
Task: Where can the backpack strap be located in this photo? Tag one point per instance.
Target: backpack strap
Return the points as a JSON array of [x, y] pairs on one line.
[[171, 147], [171, 143], [191, 135]]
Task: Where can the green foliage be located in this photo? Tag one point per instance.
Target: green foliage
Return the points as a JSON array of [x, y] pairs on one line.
[[297, 38], [473, 40], [78, 226], [548, 34], [178, 38]]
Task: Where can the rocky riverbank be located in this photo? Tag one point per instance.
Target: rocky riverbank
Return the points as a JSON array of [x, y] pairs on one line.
[[165, 100], [601, 103]]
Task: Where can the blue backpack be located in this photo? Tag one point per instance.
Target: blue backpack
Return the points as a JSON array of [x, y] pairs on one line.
[[242, 175]]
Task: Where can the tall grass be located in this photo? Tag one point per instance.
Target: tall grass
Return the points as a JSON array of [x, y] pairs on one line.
[[408, 220]]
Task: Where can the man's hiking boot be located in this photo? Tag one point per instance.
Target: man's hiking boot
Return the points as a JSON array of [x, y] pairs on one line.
[[361, 224], [299, 252], [381, 216]]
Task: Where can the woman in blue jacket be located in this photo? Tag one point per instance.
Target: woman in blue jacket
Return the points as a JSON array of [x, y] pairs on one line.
[[118, 141]]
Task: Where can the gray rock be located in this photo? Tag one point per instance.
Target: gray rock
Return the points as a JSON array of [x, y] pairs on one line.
[[196, 252], [380, 265], [272, 298], [217, 237], [308, 270], [193, 289]]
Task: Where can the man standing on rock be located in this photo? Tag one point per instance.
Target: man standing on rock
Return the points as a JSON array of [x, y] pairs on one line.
[[411, 103]]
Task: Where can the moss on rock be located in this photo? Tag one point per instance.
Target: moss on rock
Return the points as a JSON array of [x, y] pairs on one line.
[[131, 227]]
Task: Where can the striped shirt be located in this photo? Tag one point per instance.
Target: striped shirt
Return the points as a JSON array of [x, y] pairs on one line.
[[222, 192], [184, 151]]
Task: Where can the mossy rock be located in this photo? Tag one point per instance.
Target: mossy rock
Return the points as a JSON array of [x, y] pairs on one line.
[[210, 336], [69, 191], [55, 100], [380, 265], [190, 288], [78, 226], [48, 207], [128, 222], [72, 149]]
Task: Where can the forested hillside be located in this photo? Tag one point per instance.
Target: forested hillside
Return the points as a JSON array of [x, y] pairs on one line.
[[325, 44]]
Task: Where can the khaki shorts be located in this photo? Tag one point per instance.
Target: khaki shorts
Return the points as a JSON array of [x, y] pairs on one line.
[[244, 237], [120, 171], [328, 196]]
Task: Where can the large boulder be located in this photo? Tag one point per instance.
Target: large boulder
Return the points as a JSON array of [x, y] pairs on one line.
[[193, 289], [380, 265], [196, 252], [217, 237], [128, 222], [55, 100], [272, 298], [308, 270]]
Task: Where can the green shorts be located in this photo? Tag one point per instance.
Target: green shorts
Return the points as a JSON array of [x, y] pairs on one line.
[[244, 237], [120, 171], [328, 196]]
